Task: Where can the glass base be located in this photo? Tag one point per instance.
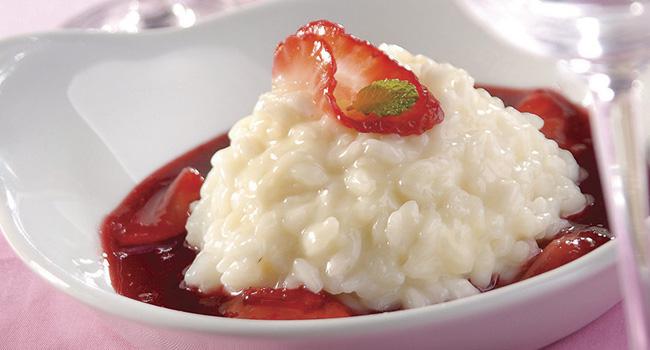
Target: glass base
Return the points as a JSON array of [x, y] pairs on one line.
[[137, 15]]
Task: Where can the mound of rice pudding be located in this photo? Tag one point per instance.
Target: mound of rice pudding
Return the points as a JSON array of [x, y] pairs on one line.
[[384, 221]]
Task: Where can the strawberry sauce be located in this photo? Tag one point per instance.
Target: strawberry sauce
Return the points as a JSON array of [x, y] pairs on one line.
[[144, 238], [152, 273]]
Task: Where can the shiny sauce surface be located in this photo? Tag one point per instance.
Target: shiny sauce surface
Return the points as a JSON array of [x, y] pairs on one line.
[[151, 270]]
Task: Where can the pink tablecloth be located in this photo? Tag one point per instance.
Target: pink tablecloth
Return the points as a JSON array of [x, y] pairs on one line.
[[34, 315]]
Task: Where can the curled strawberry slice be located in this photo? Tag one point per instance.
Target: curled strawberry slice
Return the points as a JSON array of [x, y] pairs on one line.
[[339, 68]]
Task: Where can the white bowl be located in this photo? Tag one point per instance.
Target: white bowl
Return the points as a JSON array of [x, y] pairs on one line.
[[85, 116]]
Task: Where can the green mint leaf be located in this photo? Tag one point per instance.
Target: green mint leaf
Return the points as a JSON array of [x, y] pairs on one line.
[[388, 97]]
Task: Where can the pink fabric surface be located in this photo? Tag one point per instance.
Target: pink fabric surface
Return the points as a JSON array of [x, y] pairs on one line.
[[34, 315], [22, 16]]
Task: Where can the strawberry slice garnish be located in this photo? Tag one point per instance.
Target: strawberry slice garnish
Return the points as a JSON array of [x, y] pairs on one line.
[[346, 73], [304, 61]]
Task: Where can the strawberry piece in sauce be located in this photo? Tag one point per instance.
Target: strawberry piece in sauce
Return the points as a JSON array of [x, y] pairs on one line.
[[336, 66], [570, 245], [283, 304], [564, 122], [163, 213]]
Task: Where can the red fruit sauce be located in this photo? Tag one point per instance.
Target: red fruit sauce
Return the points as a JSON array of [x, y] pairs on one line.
[[144, 237]]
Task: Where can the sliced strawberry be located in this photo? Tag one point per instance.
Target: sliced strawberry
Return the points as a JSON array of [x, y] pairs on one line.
[[337, 66], [304, 61], [165, 212], [542, 103], [569, 246], [561, 118], [283, 304]]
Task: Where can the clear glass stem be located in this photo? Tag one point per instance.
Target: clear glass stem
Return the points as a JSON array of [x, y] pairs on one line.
[[622, 149]]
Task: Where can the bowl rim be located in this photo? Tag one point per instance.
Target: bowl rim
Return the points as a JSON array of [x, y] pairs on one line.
[[114, 304]]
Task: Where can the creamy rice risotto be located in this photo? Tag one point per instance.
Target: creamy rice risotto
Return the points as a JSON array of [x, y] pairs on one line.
[[387, 221]]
